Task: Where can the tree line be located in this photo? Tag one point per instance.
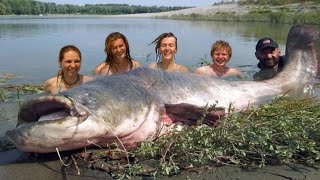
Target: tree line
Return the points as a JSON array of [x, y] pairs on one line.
[[31, 7]]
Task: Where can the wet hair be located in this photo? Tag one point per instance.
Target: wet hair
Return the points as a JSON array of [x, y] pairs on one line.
[[111, 38], [157, 42], [221, 45], [63, 51]]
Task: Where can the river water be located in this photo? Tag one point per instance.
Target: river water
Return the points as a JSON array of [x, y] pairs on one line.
[[29, 48], [30, 45]]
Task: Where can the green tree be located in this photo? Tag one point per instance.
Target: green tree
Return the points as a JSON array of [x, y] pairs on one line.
[[3, 9], [35, 8]]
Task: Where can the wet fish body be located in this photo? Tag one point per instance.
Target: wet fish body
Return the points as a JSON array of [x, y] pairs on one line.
[[133, 107]]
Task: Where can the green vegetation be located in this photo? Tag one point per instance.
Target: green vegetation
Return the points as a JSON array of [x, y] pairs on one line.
[[256, 16], [282, 132], [286, 131], [204, 61], [31, 7], [274, 11], [18, 90], [14, 91]]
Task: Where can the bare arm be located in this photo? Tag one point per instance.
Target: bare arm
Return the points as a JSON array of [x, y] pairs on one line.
[[98, 69], [49, 85]]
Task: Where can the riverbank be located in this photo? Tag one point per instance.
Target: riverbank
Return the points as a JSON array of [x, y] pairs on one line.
[[296, 13]]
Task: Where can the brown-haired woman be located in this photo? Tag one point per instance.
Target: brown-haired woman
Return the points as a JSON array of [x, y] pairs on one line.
[[118, 56], [68, 76], [166, 46]]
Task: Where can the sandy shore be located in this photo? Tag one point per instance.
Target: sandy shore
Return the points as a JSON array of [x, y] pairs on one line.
[[222, 8], [233, 8]]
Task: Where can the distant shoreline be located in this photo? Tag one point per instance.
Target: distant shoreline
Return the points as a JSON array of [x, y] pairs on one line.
[[302, 13], [196, 10], [221, 8]]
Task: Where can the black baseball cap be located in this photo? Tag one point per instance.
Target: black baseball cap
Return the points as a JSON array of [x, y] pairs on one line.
[[266, 42]]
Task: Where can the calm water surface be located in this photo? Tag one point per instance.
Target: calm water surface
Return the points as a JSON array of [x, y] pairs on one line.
[[29, 46]]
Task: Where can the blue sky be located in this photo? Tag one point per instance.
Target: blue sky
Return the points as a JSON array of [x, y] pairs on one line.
[[139, 2]]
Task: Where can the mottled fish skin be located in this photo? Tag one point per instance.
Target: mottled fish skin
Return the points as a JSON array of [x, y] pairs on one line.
[[131, 107]]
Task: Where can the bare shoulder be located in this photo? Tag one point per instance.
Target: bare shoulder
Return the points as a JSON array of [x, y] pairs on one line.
[[99, 68], [136, 64], [50, 81], [49, 85], [87, 78], [183, 68], [235, 72], [153, 65], [202, 70]]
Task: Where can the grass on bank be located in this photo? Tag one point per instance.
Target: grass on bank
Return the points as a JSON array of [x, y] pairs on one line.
[[294, 13], [283, 132], [273, 17]]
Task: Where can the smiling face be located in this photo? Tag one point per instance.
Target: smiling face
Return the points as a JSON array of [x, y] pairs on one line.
[[70, 63], [119, 49], [268, 57], [221, 53], [220, 57], [168, 48]]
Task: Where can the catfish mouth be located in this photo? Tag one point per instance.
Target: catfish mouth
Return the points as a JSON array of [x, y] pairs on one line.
[[50, 108]]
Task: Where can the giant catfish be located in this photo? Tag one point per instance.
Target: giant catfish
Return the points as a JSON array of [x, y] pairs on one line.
[[132, 107]]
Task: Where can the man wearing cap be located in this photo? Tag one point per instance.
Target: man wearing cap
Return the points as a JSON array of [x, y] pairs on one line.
[[270, 61]]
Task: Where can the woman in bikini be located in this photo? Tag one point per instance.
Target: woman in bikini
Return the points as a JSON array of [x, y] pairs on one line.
[[166, 47], [68, 76], [118, 56], [220, 53]]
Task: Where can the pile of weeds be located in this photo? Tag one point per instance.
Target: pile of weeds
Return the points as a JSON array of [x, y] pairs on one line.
[[15, 91], [285, 131]]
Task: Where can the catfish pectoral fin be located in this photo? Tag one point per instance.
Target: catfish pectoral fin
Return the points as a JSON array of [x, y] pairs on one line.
[[191, 114]]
